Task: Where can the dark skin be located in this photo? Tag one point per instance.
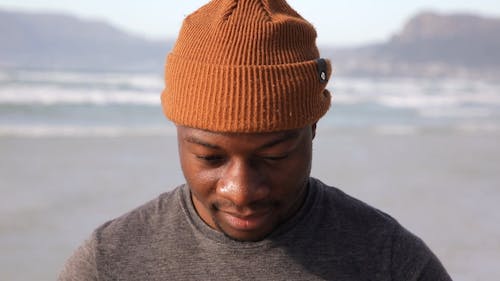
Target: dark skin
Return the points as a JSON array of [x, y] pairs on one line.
[[246, 185]]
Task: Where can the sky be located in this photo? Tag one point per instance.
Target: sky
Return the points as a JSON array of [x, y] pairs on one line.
[[339, 23]]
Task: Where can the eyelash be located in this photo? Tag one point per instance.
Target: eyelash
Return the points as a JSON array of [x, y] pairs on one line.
[[276, 158], [209, 157]]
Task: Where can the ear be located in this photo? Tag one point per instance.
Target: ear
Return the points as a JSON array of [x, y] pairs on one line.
[[313, 128]]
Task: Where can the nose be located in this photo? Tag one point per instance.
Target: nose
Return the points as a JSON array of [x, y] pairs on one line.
[[242, 184]]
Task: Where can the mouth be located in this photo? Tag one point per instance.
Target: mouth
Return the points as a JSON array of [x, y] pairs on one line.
[[247, 222]]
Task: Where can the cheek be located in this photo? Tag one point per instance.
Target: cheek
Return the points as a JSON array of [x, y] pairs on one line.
[[288, 180], [201, 181], [292, 177]]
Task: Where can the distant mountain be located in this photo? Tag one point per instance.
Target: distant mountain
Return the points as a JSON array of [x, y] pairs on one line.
[[64, 42], [460, 39], [430, 44]]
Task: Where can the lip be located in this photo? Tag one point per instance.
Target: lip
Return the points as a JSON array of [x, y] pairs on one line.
[[247, 222]]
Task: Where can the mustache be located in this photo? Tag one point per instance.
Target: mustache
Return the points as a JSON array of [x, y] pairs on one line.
[[253, 206]]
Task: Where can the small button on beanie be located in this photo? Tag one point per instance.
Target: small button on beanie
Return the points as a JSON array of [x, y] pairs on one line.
[[246, 66]]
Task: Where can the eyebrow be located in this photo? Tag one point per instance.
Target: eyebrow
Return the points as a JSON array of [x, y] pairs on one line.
[[285, 137], [196, 140]]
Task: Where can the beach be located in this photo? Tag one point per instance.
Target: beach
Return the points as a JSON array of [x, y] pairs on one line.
[[443, 186]]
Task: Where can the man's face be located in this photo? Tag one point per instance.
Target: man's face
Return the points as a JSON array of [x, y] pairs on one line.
[[245, 185]]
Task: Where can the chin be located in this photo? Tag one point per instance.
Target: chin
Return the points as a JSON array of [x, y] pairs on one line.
[[244, 236]]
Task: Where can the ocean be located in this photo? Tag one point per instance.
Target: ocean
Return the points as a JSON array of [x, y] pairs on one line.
[[79, 148], [41, 103]]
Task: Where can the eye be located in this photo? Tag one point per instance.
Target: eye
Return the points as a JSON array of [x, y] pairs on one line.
[[275, 157], [210, 159]]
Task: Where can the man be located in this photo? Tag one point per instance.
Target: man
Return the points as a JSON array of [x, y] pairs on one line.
[[245, 87]]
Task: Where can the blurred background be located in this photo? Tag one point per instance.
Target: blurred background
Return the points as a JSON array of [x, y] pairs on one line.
[[413, 129]]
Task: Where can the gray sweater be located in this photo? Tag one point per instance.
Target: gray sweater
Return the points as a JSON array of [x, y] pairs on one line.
[[332, 237]]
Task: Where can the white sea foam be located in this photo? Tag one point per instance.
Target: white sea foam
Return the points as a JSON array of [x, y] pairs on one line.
[[45, 131], [390, 105], [396, 130], [37, 131], [138, 80], [31, 87], [469, 127], [48, 88], [409, 130], [50, 95], [415, 93], [455, 112]]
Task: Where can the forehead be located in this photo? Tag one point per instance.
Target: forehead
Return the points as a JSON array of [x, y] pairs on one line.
[[194, 135]]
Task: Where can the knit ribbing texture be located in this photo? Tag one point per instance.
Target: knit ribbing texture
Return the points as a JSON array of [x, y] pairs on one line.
[[245, 66]]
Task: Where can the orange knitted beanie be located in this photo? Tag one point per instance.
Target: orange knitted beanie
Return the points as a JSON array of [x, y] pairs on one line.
[[246, 66]]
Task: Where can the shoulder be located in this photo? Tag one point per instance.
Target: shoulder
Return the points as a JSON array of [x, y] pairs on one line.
[[356, 216], [117, 247], [118, 243], [351, 212], [413, 260], [370, 232], [144, 219]]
